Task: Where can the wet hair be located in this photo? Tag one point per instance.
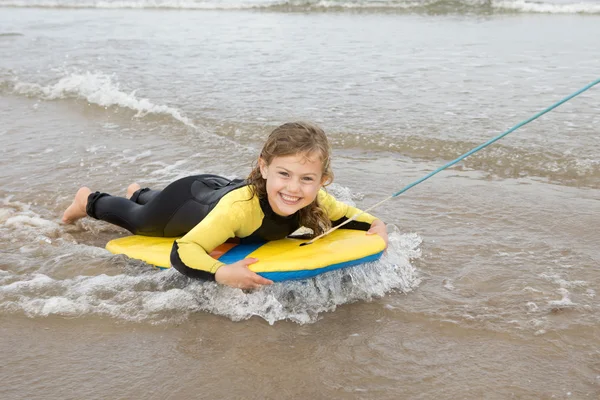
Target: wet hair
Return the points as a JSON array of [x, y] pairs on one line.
[[297, 138]]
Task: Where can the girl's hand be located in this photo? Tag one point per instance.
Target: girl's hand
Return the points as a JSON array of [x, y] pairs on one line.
[[238, 275], [378, 227]]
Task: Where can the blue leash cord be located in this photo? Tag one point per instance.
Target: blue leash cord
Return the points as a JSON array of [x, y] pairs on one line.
[[481, 146], [467, 154]]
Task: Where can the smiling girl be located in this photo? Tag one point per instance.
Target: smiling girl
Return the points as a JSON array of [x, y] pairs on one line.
[[283, 192]]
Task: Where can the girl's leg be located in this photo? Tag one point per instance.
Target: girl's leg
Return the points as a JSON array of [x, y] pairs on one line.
[[143, 196], [131, 189], [138, 195], [173, 211], [77, 208]]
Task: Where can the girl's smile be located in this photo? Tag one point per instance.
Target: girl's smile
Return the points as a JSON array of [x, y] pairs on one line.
[[293, 182]]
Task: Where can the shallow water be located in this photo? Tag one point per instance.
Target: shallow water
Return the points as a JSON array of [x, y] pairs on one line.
[[488, 289]]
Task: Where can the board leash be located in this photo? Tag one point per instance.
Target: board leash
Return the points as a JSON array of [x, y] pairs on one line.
[[457, 160]]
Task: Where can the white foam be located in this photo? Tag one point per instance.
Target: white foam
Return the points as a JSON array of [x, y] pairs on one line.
[[33, 283], [513, 5], [170, 172], [447, 283], [548, 8], [532, 307], [303, 301], [532, 290], [142, 294], [41, 238], [364, 4], [171, 300], [139, 156], [5, 214], [563, 283], [167, 296], [137, 4], [94, 148], [564, 302], [341, 193], [97, 88], [20, 221]]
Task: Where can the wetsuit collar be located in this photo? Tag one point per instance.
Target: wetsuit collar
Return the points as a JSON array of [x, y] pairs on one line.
[[268, 211]]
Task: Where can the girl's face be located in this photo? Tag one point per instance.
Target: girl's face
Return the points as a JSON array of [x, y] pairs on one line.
[[293, 182]]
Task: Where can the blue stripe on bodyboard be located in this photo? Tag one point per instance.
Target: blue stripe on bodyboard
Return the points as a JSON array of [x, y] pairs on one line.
[[239, 252], [309, 273]]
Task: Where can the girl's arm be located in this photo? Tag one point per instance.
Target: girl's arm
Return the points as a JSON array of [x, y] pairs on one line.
[[190, 254], [230, 218], [238, 275], [339, 212], [378, 227]]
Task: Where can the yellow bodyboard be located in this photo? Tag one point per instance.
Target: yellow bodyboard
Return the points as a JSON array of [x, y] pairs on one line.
[[278, 260]]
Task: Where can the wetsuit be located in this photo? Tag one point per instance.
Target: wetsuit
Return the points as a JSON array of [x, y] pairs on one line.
[[208, 210]]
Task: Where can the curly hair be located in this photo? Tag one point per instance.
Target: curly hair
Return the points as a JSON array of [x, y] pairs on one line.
[[291, 139]]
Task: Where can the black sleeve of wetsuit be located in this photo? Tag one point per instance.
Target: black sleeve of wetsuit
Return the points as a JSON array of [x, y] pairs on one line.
[[358, 226], [187, 271]]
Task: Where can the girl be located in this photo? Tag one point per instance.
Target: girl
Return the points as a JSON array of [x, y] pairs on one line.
[[282, 193]]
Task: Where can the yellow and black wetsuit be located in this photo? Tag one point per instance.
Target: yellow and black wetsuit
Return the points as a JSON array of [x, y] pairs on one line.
[[208, 210]]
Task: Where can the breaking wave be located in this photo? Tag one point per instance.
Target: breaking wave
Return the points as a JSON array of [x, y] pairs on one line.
[[95, 88], [426, 6], [500, 160]]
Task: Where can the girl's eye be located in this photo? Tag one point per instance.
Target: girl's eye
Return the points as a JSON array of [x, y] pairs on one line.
[[308, 179], [284, 174]]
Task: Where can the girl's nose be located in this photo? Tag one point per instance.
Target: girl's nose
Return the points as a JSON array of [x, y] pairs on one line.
[[293, 185]]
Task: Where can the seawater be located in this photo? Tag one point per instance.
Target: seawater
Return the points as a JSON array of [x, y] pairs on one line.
[[488, 289]]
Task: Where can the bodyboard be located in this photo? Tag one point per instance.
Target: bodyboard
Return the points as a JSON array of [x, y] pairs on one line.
[[279, 260]]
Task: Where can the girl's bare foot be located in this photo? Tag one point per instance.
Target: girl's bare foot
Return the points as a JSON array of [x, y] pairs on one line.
[[131, 189], [77, 208]]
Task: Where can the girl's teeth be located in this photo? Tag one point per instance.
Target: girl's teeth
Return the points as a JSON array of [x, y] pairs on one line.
[[290, 198]]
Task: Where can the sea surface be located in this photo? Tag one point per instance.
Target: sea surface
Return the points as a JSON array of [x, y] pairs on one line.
[[489, 289]]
